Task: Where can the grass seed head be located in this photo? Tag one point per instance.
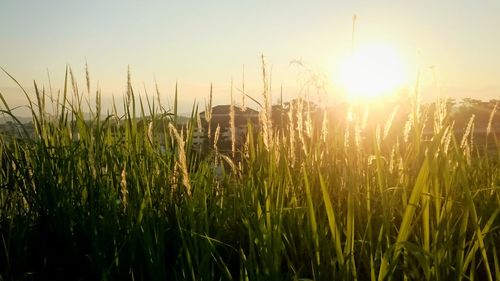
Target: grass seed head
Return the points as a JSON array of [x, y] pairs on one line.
[[232, 124], [490, 121], [324, 126], [123, 188], [182, 162]]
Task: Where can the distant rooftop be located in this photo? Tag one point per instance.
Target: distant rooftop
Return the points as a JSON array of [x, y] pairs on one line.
[[226, 108]]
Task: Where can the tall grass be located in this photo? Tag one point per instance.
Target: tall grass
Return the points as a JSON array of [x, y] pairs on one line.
[[126, 197]]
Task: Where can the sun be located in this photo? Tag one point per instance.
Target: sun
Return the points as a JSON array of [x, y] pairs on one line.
[[372, 71]]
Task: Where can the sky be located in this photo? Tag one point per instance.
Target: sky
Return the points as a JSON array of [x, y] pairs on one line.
[[454, 44]]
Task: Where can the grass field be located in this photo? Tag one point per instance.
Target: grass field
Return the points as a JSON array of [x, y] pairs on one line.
[[338, 200]]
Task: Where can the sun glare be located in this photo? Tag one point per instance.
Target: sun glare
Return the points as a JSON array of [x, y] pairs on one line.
[[372, 71]]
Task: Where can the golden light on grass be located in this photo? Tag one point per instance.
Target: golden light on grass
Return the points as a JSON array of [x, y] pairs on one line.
[[371, 71]]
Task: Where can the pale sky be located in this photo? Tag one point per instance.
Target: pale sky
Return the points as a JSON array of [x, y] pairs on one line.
[[201, 42]]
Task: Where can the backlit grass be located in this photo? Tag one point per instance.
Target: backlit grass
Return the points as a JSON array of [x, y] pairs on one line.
[[330, 198]]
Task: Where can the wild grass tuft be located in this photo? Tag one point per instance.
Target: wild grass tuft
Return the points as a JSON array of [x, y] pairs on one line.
[[344, 194]]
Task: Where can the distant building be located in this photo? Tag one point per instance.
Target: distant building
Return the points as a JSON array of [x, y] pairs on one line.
[[199, 137], [221, 116]]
